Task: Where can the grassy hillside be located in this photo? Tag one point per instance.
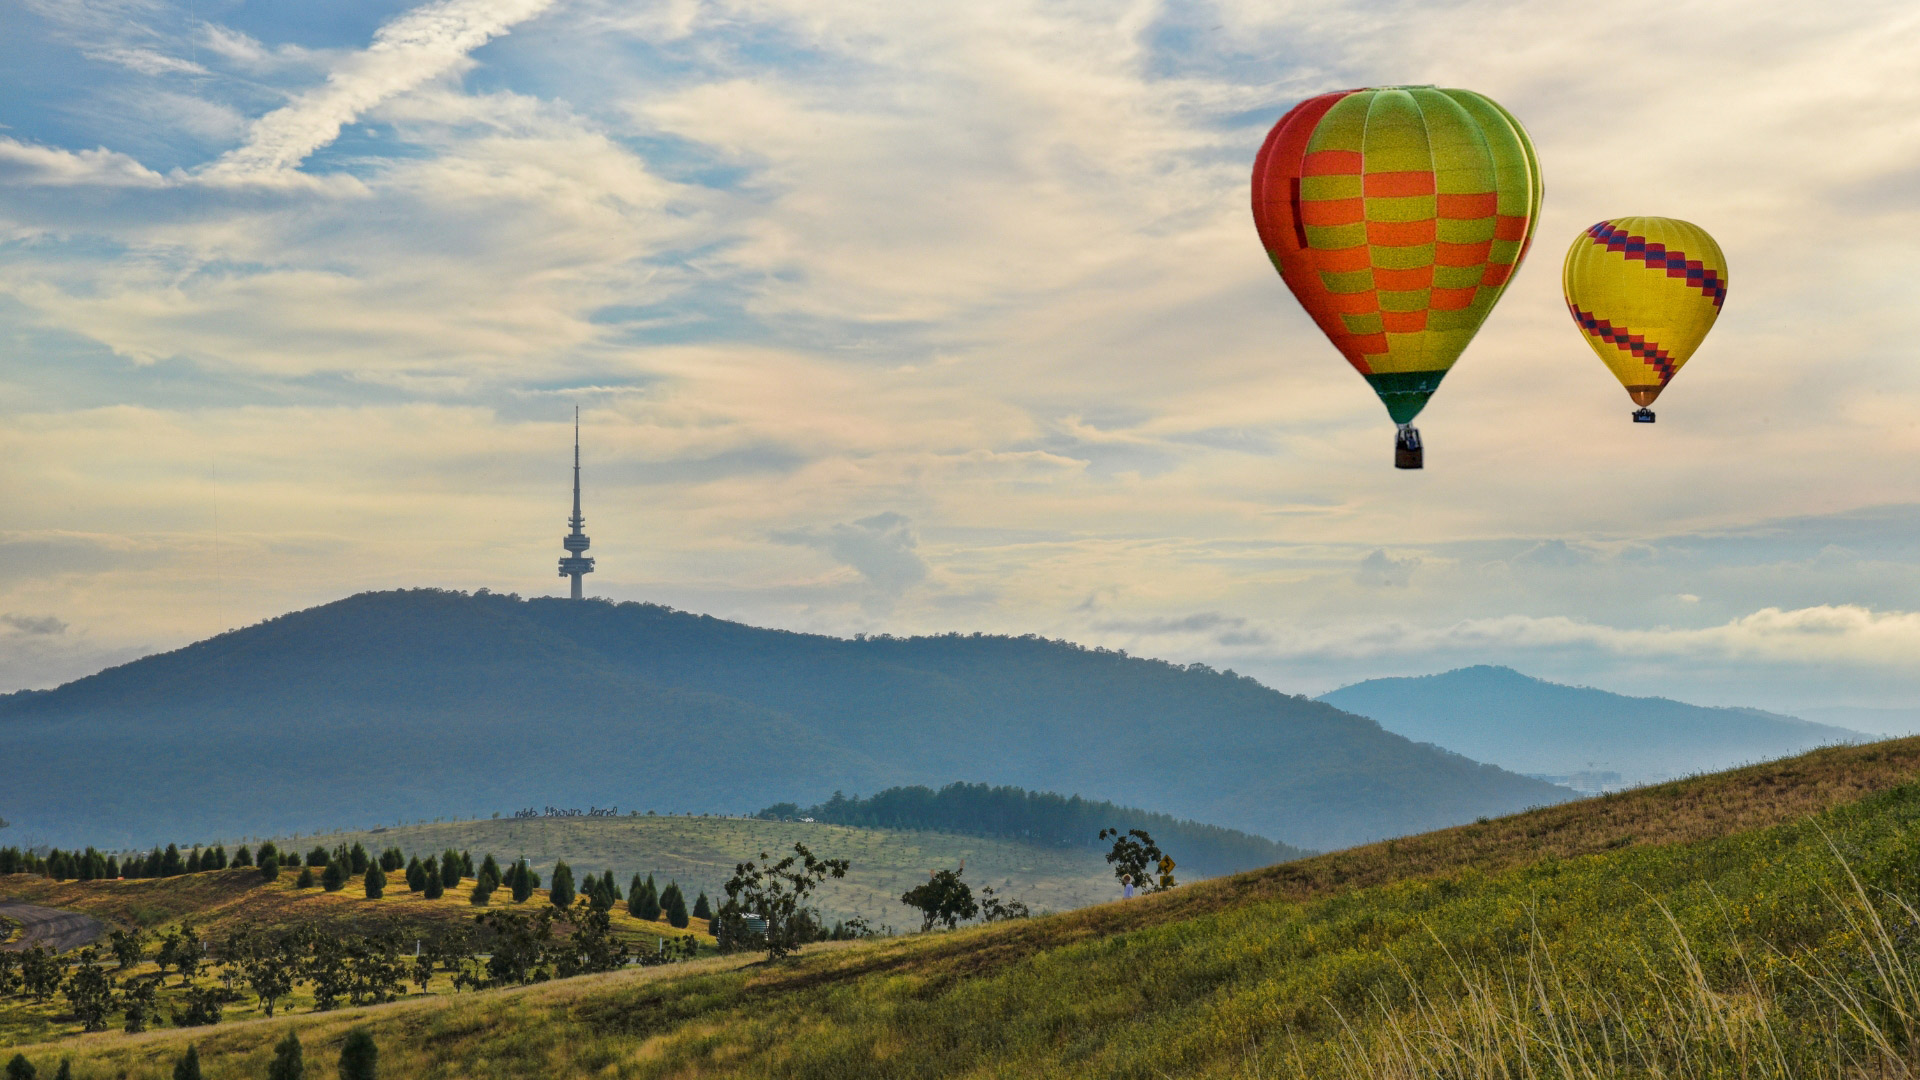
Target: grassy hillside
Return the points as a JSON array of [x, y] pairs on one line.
[[700, 854], [1705, 928], [644, 707], [1529, 725]]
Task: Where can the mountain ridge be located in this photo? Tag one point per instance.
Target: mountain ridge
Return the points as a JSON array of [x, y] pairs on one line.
[[1496, 714], [483, 701]]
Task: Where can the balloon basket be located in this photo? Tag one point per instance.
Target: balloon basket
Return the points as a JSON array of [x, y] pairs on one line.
[[1643, 415], [1406, 449]]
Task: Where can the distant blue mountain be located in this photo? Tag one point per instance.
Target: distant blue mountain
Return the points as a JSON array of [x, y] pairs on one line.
[[1528, 725], [419, 704]]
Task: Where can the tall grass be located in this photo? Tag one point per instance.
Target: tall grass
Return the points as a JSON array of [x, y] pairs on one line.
[[1845, 1013]]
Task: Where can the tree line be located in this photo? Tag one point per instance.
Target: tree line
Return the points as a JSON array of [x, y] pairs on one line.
[[342, 866], [1008, 812]]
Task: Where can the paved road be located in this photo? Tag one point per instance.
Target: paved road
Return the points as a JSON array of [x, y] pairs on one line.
[[61, 930]]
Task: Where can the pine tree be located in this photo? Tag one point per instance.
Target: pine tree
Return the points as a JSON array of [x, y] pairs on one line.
[[188, 1067], [305, 880], [416, 875], [219, 854], [466, 864], [113, 867], [560, 893], [523, 882], [482, 893], [358, 1057], [334, 878], [490, 869], [358, 859], [648, 901], [270, 865], [171, 865], [434, 886], [267, 849], [193, 860], [391, 860], [675, 902], [701, 908], [375, 881], [611, 887], [450, 868], [634, 888], [287, 1063], [243, 857], [318, 857]]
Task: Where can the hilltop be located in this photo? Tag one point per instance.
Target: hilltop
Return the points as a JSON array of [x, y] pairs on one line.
[[484, 703], [1703, 927], [1498, 715]]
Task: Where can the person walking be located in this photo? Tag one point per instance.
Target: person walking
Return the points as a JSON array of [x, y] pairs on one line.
[[1126, 886]]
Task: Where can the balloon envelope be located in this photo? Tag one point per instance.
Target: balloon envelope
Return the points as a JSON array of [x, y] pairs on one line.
[[1644, 292], [1397, 215]]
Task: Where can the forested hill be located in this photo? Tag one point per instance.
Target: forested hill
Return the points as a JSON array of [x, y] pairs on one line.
[[400, 706], [1043, 817]]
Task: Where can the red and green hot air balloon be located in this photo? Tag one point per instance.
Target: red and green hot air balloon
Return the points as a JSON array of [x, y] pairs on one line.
[[1397, 215]]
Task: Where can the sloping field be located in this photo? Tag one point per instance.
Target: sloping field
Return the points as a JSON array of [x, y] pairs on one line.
[[1710, 927], [700, 853]]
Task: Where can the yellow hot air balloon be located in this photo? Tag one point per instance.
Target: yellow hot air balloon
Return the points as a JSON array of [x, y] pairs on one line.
[[1644, 292]]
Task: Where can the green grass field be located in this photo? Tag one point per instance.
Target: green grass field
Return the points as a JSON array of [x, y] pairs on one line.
[[1747, 924], [700, 853]]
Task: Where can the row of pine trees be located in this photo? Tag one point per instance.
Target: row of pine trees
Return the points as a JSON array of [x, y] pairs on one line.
[[431, 877]]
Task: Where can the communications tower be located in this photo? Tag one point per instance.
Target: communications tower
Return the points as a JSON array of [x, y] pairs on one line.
[[576, 564]]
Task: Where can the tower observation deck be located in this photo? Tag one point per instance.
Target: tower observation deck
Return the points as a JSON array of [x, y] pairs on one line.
[[575, 564]]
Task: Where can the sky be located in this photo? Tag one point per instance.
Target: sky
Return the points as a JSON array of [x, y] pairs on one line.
[[898, 318]]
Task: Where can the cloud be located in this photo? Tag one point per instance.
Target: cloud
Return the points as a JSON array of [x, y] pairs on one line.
[[421, 45], [1382, 571], [881, 547], [25, 163], [34, 624], [147, 62]]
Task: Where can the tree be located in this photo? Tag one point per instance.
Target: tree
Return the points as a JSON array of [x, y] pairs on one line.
[[375, 881], [193, 860], [268, 964], [270, 865], [305, 880], [334, 877], [944, 898], [391, 860], [1134, 854], [646, 901], [560, 893], [523, 880], [242, 857], [39, 972], [89, 992], [287, 1063], [127, 947], [319, 856], [482, 893], [21, 1069], [466, 864], [433, 886], [219, 854], [416, 875], [138, 1001], [674, 902], [450, 868], [490, 869], [357, 859], [702, 908], [265, 850], [188, 1066], [171, 865], [776, 892], [994, 909]]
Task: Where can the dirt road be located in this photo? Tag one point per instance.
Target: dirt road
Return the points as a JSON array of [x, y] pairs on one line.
[[59, 930]]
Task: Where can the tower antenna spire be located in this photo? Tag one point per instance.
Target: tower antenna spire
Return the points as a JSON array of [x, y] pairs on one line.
[[575, 564]]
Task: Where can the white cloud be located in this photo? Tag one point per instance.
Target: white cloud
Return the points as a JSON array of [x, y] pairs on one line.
[[419, 46], [25, 163], [147, 61]]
